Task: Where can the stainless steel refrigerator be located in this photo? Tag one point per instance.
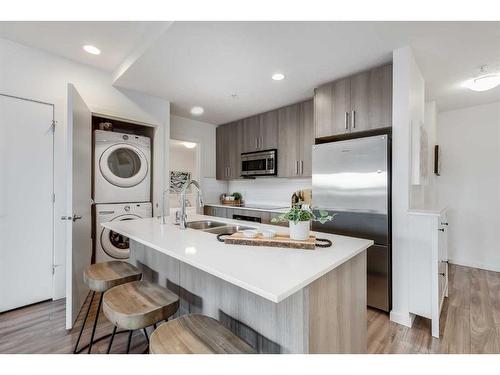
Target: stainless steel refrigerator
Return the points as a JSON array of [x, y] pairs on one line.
[[352, 178]]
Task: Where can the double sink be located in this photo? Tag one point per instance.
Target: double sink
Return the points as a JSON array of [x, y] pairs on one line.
[[216, 227]]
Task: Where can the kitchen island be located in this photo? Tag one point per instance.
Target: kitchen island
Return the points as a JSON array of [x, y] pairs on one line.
[[278, 300]]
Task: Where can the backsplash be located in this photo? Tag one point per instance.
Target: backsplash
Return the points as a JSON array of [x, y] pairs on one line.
[[269, 191]]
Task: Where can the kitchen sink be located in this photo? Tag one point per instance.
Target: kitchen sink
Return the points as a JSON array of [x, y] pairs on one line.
[[204, 224], [229, 229]]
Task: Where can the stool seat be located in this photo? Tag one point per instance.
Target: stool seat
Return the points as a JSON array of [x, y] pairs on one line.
[[139, 304], [100, 277], [196, 334]]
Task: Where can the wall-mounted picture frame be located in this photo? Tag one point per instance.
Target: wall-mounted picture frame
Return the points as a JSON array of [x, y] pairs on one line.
[[437, 160], [419, 153]]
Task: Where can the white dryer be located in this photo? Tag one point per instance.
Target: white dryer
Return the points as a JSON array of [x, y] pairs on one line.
[[122, 167], [110, 245]]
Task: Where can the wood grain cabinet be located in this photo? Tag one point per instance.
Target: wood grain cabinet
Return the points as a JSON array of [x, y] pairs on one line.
[[260, 132], [295, 135], [229, 138], [357, 103]]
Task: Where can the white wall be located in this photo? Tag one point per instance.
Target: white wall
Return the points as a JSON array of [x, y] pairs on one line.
[[408, 105], [469, 184], [31, 73], [202, 133], [269, 191]]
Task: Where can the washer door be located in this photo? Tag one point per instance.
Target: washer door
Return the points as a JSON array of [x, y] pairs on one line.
[[115, 244], [123, 165]]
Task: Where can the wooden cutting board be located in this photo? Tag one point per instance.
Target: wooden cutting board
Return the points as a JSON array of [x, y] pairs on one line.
[[280, 240]]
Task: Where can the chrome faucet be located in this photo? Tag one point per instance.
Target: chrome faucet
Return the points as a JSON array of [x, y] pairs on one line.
[[183, 215]]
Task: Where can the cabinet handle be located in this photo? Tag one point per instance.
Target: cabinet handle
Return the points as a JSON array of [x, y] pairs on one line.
[[442, 274], [261, 142], [445, 224], [302, 167], [441, 229], [445, 261], [256, 142], [346, 120], [296, 167], [353, 119]]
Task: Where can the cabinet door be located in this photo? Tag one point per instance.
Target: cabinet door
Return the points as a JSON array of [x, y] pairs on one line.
[[306, 138], [269, 130], [233, 156], [221, 152], [251, 134], [371, 99], [331, 108], [288, 136]]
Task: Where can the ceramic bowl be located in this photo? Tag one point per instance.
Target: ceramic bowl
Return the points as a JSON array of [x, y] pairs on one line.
[[268, 233], [250, 233]]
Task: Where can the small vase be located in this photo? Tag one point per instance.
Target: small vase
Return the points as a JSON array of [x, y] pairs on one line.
[[299, 231]]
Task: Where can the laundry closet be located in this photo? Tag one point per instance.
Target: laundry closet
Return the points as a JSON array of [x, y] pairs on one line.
[[121, 181]]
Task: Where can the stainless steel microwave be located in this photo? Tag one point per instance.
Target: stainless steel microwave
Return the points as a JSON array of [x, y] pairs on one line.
[[260, 163]]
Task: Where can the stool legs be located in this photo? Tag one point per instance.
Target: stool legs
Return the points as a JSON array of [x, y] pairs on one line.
[[83, 324], [129, 341], [95, 322], [111, 340]]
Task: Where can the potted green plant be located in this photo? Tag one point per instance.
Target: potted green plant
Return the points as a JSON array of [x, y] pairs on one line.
[[299, 219]]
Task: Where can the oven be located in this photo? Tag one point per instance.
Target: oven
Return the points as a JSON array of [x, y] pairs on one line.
[[260, 163]]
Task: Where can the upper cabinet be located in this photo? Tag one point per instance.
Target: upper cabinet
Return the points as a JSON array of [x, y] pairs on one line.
[[357, 103], [295, 135], [260, 132], [229, 141]]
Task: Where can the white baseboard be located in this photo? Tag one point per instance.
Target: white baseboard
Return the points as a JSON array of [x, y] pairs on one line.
[[482, 266], [405, 319]]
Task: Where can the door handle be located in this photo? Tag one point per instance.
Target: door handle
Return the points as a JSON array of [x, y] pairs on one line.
[[76, 217], [353, 119], [66, 218], [346, 121]]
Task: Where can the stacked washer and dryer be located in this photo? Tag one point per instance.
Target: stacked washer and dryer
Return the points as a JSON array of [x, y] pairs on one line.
[[122, 188]]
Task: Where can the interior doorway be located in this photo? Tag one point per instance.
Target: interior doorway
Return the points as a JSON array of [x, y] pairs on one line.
[[184, 165]]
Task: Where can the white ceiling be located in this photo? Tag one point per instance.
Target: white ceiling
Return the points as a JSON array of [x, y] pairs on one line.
[[116, 40], [204, 63]]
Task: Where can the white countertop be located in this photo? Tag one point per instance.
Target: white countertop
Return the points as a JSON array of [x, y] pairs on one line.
[[272, 273], [427, 210]]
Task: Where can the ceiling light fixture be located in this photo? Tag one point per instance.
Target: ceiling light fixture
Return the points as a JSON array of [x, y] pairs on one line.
[[92, 49], [189, 144], [483, 81], [197, 111], [278, 76]]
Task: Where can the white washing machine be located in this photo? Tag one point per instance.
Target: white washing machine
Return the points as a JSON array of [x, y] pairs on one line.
[[122, 167], [110, 245]]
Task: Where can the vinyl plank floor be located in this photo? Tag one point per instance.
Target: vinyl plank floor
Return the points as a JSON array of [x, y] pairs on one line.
[[470, 323]]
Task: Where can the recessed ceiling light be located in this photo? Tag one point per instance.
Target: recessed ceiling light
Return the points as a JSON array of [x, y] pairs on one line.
[[197, 111], [189, 144], [484, 81], [92, 49], [278, 76]]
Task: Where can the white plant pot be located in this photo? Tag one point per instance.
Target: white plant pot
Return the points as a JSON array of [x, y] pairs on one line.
[[299, 231]]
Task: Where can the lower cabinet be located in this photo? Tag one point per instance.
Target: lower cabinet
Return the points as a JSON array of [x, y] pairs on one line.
[[429, 266], [264, 216]]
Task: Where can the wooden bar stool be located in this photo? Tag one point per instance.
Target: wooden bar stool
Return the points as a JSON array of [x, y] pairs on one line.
[[100, 277], [196, 334], [138, 305]]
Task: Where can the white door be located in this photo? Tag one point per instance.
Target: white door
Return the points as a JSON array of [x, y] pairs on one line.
[[26, 202], [78, 240]]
